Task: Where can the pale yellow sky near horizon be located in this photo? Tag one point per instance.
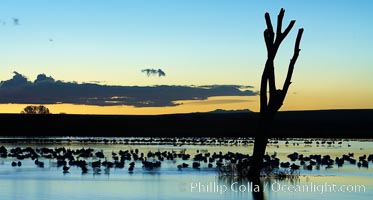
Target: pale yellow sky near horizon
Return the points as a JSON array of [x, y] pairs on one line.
[[188, 106], [292, 102]]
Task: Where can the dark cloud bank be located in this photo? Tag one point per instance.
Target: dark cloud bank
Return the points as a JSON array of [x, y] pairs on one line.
[[46, 90]]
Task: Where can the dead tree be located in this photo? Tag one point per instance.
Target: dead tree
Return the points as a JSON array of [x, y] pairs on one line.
[[268, 108]]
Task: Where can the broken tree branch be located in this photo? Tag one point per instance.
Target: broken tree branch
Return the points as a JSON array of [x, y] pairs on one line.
[[292, 61], [280, 17], [287, 30]]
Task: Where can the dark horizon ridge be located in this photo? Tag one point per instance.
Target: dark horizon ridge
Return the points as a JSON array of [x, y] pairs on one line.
[[288, 124]]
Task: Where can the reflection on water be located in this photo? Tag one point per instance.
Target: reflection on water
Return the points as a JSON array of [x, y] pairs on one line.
[[169, 182]]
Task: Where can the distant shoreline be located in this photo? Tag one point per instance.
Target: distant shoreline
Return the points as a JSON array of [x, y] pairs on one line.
[[291, 124]]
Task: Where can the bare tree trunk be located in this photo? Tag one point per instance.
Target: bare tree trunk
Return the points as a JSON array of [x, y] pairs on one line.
[[268, 108]]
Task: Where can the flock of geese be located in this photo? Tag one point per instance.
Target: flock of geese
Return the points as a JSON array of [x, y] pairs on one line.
[[89, 160]]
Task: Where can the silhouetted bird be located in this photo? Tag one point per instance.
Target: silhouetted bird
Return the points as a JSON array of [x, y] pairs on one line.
[[130, 169], [294, 166], [196, 164], [84, 169], [39, 163], [66, 169], [285, 165]]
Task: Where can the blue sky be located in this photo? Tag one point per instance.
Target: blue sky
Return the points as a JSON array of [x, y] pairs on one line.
[[195, 42]]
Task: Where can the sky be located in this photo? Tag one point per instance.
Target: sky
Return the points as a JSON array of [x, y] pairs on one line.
[[195, 43]]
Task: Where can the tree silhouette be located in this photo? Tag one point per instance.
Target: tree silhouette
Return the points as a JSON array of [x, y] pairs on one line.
[[35, 110], [268, 108]]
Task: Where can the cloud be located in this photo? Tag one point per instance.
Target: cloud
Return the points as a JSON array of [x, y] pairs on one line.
[[15, 21], [46, 90], [153, 72], [17, 80], [96, 82], [41, 78]]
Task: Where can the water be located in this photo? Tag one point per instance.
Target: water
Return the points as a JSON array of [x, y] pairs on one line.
[[167, 182]]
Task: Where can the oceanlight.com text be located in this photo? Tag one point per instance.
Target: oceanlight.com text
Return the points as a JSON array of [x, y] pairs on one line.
[[316, 187]]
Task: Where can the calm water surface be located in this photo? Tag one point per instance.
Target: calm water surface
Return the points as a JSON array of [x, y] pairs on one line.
[[167, 182]]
